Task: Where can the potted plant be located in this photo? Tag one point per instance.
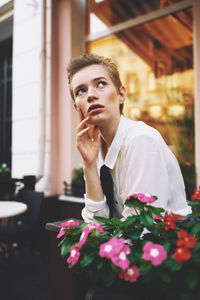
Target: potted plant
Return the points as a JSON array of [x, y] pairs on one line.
[[153, 253], [189, 176], [78, 182], [7, 184]]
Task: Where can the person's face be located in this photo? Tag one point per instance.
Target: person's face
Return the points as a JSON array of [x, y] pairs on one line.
[[96, 95]]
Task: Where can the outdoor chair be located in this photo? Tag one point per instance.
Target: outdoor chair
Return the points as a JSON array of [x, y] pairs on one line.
[[25, 228]]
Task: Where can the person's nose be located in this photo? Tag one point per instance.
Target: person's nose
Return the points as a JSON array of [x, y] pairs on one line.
[[92, 94]]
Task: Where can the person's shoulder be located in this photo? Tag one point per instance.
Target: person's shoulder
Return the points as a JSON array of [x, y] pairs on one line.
[[136, 129]]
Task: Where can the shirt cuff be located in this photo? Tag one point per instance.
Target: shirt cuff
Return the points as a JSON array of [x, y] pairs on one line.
[[95, 206], [183, 212]]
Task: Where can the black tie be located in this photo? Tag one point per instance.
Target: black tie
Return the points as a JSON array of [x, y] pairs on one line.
[[107, 187]]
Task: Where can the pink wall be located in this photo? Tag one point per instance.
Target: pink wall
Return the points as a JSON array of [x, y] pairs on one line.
[[60, 107]]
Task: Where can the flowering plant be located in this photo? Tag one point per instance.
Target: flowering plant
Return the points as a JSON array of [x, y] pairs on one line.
[[148, 249], [4, 170]]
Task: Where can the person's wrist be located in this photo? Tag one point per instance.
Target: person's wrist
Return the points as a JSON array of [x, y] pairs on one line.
[[89, 166]]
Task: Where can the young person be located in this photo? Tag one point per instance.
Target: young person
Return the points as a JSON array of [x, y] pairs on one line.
[[137, 156]]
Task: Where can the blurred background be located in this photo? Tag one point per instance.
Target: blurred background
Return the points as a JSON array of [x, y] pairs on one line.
[[156, 46]]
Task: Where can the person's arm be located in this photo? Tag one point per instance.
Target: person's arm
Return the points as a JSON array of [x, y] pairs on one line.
[[95, 203], [89, 149]]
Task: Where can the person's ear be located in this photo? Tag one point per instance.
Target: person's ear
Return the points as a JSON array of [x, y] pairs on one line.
[[75, 106], [122, 94]]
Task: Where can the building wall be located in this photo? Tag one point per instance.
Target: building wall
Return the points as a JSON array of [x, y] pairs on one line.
[[68, 34], [44, 124], [30, 111]]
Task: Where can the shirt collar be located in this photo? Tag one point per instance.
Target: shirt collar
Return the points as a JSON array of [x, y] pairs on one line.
[[114, 148]]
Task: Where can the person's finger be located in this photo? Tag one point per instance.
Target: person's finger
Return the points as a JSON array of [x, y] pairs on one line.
[[80, 114], [82, 124], [82, 132]]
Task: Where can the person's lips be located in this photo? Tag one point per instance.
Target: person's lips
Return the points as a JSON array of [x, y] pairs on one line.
[[95, 107]]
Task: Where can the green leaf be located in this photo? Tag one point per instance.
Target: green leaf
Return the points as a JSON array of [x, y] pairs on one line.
[[103, 220], [194, 203], [165, 277], [146, 219], [176, 266], [195, 213], [116, 221], [145, 268], [115, 268], [87, 259], [118, 232], [196, 228], [136, 234], [134, 257], [192, 279], [196, 259], [100, 265], [131, 220], [66, 246], [167, 245], [109, 278], [197, 246], [70, 266], [172, 264], [187, 224], [134, 203], [156, 210], [155, 230], [61, 242]]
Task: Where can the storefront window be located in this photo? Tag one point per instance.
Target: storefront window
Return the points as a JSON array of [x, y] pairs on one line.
[[155, 61], [112, 12]]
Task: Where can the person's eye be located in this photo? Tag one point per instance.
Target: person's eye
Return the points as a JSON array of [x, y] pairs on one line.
[[101, 83], [80, 92]]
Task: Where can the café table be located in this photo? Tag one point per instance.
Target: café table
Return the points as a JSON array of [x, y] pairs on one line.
[[11, 208]]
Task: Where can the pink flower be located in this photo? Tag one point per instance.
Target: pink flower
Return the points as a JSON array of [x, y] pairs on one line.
[[66, 225], [131, 274], [157, 218], [111, 248], [135, 195], [145, 198], [83, 237], [121, 260], [69, 224], [154, 253], [116, 250], [187, 163], [74, 256], [92, 227], [86, 230], [61, 233]]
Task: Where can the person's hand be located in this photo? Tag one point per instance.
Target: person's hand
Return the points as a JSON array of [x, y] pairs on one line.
[[87, 146]]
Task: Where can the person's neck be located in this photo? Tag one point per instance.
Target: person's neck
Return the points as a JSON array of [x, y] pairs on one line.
[[108, 132]]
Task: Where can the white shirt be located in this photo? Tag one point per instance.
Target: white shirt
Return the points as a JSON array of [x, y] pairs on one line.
[[140, 161]]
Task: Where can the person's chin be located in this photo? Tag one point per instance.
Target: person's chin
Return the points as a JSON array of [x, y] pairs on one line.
[[96, 119]]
